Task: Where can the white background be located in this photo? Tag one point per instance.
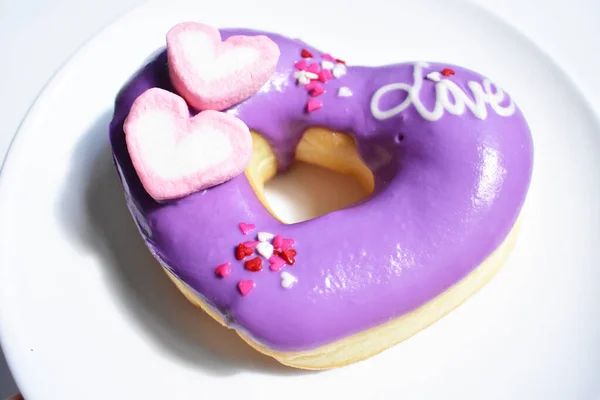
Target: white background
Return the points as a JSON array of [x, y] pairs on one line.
[[38, 36]]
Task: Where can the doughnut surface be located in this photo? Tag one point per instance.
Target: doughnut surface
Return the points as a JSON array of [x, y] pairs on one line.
[[446, 194], [338, 152]]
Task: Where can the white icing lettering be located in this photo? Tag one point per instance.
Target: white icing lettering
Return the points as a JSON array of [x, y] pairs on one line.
[[449, 97]]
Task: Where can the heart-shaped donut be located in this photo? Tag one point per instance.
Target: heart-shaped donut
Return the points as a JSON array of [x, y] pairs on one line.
[[214, 75], [446, 154], [175, 155]]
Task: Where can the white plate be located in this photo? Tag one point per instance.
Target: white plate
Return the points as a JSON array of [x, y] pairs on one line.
[[87, 313]]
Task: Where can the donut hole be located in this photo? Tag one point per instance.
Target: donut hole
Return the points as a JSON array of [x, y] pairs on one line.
[[327, 175], [308, 191]]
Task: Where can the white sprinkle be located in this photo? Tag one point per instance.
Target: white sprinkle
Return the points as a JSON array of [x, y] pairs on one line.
[[304, 77], [303, 80], [434, 76], [326, 64], [339, 70], [265, 236], [265, 249], [345, 91], [287, 280]]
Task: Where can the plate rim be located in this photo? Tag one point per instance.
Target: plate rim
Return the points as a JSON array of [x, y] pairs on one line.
[[65, 68]]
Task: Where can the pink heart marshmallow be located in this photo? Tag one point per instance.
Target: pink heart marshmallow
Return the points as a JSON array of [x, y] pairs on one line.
[[174, 154], [214, 75]]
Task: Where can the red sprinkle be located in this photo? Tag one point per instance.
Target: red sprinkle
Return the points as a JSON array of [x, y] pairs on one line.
[[313, 105], [288, 256], [223, 270], [301, 65], [327, 57], [340, 61], [306, 54], [317, 91], [245, 286], [448, 72], [254, 264], [242, 252], [325, 75], [251, 245]]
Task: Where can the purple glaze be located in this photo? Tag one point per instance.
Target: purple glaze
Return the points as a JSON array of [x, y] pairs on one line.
[[445, 197]]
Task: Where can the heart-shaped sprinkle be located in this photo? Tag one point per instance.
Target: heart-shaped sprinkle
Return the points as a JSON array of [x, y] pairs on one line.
[[276, 263], [288, 256], [434, 76], [287, 280], [447, 72], [317, 91], [306, 54], [251, 244], [214, 75], [313, 105], [325, 75], [246, 228], [254, 264], [327, 57], [265, 236], [311, 85], [286, 244], [245, 286], [176, 155], [326, 64], [265, 249], [304, 77], [242, 252], [339, 70], [223, 270], [344, 91], [301, 65], [314, 68], [278, 241]]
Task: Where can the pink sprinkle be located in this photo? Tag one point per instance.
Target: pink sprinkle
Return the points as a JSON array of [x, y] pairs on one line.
[[314, 68], [283, 244], [246, 228], [325, 75], [301, 65], [278, 241], [245, 286], [251, 244], [223, 270], [276, 263], [317, 90], [287, 243], [311, 85], [313, 105], [327, 57]]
